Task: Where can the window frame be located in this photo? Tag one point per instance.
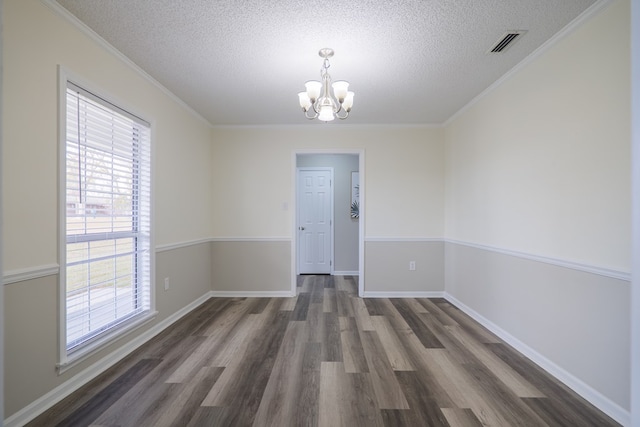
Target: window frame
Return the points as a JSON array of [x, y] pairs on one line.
[[69, 358]]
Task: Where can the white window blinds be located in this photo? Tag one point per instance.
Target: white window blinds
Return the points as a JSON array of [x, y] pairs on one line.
[[108, 207]]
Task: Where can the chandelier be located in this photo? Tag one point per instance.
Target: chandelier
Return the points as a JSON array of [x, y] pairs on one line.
[[318, 101]]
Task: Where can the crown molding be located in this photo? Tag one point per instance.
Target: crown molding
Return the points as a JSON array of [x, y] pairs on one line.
[[69, 17], [572, 26], [331, 127]]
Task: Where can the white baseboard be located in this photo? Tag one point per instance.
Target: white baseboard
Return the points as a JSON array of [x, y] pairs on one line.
[[598, 400], [427, 294], [45, 402], [252, 294], [346, 273]]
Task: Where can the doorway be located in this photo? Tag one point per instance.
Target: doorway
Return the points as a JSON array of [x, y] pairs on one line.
[[346, 228]]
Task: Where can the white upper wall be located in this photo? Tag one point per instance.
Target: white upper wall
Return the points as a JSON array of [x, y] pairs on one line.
[[541, 165], [404, 174], [36, 41]]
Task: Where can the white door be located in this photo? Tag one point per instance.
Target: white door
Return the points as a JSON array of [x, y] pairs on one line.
[[315, 211]]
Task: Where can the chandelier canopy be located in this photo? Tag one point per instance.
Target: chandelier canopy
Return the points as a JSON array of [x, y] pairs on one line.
[[319, 102]]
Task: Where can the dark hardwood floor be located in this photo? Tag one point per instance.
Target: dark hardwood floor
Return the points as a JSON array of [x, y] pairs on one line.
[[324, 358]]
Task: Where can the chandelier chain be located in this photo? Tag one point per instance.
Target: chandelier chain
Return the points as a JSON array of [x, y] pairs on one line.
[[325, 67]]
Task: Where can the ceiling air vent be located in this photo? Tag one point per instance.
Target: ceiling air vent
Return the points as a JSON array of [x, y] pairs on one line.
[[505, 41]]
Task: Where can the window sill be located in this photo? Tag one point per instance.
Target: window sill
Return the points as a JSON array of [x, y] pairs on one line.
[[82, 354]]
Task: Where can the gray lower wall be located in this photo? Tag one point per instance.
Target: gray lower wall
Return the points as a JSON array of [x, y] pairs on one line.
[[31, 323], [265, 266], [579, 321], [31, 343], [189, 276], [387, 266], [251, 266]]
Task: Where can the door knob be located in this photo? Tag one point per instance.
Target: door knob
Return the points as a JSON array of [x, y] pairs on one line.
[[300, 228]]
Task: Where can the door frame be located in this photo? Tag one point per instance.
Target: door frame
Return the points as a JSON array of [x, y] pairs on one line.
[[332, 214], [294, 204], [635, 213]]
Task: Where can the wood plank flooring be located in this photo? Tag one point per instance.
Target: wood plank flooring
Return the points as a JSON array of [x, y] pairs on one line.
[[324, 358]]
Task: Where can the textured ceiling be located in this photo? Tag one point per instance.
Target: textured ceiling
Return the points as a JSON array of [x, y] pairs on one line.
[[243, 62]]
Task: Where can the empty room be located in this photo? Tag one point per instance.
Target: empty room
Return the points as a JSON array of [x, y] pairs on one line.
[[204, 224]]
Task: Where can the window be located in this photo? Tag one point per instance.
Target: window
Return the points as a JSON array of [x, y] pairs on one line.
[[107, 218]]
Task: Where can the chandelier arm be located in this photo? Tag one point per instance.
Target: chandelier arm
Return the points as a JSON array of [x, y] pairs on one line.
[[315, 113], [346, 114]]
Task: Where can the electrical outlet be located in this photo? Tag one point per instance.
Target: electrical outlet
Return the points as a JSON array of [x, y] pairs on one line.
[[166, 283], [412, 265]]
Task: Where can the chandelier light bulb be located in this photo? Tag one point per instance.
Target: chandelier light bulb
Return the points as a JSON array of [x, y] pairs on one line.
[[323, 100], [340, 89], [348, 101], [326, 113], [313, 90], [305, 102]]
